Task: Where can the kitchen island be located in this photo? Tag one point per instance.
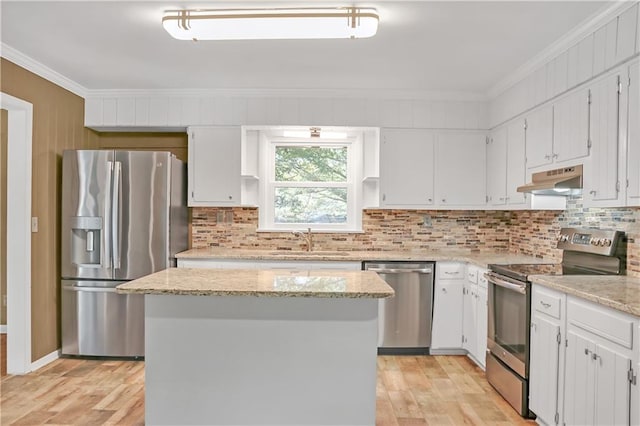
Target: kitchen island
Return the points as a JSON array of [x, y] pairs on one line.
[[258, 347]]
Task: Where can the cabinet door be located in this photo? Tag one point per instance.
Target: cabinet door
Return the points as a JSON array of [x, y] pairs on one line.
[[447, 318], [469, 313], [579, 386], [214, 166], [543, 368], [633, 137], [571, 127], [612, 392], [539, 137], [481, 326], [406, 168], [460, 169], [602, 181], [497, 167], [516, 162]]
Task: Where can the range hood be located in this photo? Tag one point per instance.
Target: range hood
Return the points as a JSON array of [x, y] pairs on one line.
[[565, 181]]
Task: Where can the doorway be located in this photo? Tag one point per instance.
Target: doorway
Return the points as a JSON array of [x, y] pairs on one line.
[[19, 125]]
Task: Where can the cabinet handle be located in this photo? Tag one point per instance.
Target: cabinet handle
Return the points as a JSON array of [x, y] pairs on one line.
[[429, 199], [586, 351], [545, 305], [595, 356], [593, 192], [231, 197], [444, 200], [444, 290], [547, 157], [555, 155]]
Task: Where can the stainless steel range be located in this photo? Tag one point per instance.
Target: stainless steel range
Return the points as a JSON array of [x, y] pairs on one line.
[[585, 252]]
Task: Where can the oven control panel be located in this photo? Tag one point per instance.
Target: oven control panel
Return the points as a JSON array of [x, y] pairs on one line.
[[595, 241]]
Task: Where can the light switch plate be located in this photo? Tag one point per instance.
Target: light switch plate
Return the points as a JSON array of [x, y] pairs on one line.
[[34, 224]]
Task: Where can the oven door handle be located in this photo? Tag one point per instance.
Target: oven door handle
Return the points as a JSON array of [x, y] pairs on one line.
[[520, 288]]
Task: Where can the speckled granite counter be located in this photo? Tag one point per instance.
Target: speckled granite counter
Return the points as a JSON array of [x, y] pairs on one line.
[[618, 292], [264, 283], [454, 255]]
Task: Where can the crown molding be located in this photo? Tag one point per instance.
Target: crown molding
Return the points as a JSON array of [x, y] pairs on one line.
[[587, 27], [375, 94], [30, 64]]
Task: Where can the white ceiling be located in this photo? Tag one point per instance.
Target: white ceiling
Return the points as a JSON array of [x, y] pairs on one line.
[[420, 45]]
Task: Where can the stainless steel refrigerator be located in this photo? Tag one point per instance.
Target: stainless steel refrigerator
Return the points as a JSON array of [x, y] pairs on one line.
[[124, 216]]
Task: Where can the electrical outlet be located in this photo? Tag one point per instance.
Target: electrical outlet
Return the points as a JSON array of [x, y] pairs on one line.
[[426, 221], [34, 224]]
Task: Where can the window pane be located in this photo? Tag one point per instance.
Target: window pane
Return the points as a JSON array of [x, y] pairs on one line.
[[310, 205], [310, 164]]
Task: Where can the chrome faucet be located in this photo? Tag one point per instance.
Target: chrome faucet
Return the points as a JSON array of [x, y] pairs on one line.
[[308, 237]]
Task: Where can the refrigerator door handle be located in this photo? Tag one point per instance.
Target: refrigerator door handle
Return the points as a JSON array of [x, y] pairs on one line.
[[115, 214]]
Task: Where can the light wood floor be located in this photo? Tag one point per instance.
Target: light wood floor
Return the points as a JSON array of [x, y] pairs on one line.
[[411, 391]]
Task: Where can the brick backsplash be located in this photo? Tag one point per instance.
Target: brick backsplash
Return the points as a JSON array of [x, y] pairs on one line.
[[532, 232]]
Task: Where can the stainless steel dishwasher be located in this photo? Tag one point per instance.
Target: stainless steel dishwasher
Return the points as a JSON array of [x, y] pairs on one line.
[[404, 321]]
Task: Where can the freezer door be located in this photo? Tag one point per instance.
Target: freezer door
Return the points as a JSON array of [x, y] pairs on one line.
[[86, 209], [97, 321], [141, 213]]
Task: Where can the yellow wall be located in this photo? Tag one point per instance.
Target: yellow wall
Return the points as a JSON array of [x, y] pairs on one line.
[[58, 124], [173, 142], [3, 215]]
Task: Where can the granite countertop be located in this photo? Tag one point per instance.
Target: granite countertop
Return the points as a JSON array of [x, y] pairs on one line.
[[619, 292], [453, 255], [262, 283]]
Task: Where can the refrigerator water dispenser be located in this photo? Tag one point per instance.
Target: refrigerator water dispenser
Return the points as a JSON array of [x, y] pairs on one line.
[[86, 239]]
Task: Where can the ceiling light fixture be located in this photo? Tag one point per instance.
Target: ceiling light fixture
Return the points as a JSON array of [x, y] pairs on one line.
[[252, 24]]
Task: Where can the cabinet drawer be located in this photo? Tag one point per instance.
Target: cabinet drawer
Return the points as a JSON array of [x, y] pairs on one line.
[[472, 274], [451, 271], [602, 321], [546, 303]]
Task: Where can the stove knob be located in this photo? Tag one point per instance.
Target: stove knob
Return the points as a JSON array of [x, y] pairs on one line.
[[593, 241], [607, 242], [601, 242]]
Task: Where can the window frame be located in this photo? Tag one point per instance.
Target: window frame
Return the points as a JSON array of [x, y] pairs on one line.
[[269, 142]]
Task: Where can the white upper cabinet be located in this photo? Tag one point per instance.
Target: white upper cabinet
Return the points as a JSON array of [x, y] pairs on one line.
[[571, 126], [497, 167], [602, 182], [214, 166], [516, 162], [460, 169], [406, 168], [540, 137], [633, 136], [506, 166]]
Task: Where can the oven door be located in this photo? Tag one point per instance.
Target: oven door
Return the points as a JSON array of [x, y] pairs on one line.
[[509, 318]]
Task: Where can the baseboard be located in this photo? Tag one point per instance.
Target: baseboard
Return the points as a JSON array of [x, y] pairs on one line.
[[3, 329], [45, 360], [447, 352]]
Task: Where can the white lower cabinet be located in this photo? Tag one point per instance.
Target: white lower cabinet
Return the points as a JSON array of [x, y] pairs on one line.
[[546, 353], [446, 335], [469, 317], [460, 311], [584, 362], [599, 365], [482, 313]]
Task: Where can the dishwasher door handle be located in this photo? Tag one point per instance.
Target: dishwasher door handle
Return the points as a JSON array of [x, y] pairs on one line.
[[401, 271]]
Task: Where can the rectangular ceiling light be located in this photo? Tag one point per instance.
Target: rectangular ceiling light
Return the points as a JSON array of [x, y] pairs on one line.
[[255, 24]]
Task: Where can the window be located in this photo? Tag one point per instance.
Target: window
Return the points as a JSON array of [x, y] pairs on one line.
[[310, 183]]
